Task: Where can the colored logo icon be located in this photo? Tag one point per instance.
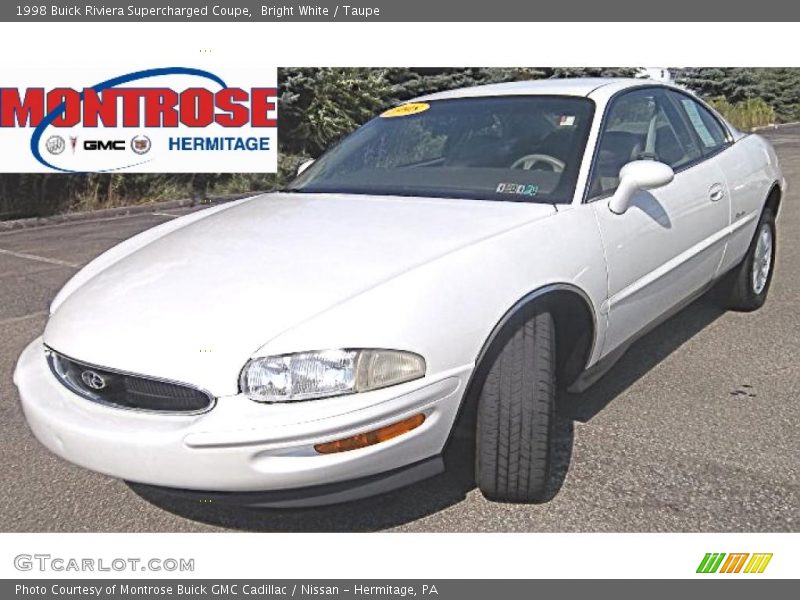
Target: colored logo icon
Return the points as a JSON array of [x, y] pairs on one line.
[[719, 562]]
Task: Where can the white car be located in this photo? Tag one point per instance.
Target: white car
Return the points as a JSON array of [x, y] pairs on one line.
[[470, 249]]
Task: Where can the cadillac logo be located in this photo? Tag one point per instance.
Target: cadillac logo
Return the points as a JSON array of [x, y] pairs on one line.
[[93, 380], [141, 144]]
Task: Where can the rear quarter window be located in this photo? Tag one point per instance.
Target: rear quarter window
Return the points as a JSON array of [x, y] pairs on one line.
[[709, 131]]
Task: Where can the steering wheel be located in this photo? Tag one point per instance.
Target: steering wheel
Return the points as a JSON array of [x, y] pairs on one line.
[[526, 162]]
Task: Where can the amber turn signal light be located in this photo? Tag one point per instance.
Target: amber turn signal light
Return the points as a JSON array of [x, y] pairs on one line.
[[362, 440]]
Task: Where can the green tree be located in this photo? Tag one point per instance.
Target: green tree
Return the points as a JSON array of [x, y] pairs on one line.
[[318, 106], [778, 88]]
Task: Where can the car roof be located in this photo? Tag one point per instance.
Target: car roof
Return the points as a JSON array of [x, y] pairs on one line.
[[586, 86]]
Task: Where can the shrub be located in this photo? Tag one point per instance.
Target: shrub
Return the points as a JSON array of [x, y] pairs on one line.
[[747, 114]]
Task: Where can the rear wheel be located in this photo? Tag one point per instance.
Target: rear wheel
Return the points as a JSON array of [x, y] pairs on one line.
[[746, 287], [515, 415]]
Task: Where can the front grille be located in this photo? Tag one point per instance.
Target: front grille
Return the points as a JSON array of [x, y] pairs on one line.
[[124, 390]]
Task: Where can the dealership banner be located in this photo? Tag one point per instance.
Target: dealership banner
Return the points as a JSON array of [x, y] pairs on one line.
[[170, 117], [407, 11]]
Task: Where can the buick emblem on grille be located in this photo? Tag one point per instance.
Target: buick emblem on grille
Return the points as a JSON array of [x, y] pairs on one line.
[[93, 380]]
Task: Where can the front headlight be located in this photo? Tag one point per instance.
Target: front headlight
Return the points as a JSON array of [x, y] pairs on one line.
[[308, 375]]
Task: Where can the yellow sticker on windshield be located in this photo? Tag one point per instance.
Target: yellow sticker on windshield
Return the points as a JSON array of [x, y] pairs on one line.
[[405, 110]]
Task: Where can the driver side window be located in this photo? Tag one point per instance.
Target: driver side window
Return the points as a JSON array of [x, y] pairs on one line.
[[640, 125]]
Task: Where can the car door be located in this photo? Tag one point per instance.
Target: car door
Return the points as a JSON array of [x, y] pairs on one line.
[[745, 193], [668, 244]]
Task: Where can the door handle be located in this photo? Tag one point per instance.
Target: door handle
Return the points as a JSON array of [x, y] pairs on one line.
[[716, 192]]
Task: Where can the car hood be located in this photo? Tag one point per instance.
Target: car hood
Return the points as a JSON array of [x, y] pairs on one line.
[[196, 303]]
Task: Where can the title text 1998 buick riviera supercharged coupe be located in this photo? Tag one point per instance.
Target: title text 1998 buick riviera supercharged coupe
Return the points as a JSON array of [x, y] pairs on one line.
[[480, 245]]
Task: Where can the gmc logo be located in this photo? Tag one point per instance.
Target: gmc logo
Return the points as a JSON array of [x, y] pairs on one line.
[[104, 145]]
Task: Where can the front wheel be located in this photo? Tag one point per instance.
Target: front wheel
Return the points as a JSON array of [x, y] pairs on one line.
[[746, 287], [515, 415]]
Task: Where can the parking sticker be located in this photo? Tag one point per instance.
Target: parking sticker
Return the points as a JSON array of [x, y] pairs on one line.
[[519, 189], [405, 110]]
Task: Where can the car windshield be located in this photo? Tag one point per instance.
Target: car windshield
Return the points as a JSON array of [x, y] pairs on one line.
[[512, 148]]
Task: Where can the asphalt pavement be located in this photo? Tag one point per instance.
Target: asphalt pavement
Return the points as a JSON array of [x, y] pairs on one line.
[[695, 429]]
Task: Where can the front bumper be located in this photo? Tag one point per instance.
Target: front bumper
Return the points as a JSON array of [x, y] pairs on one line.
[[240, 445], [317, 495]]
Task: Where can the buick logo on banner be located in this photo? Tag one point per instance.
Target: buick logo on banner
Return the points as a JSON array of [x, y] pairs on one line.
[[55, 144], [165, 119]]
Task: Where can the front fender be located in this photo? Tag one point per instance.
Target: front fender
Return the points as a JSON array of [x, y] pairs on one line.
[[447, 309]]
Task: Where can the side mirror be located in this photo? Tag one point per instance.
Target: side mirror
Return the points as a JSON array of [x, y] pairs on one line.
[[304, 165], [635, 176]]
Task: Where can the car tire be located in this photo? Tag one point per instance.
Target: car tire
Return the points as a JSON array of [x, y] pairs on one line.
[[516, 415], [745, 288]]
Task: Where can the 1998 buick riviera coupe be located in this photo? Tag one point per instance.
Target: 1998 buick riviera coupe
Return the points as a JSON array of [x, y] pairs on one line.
[[482, 245]]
